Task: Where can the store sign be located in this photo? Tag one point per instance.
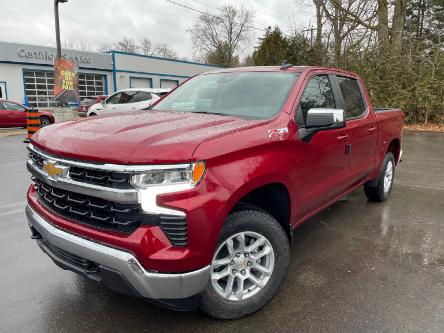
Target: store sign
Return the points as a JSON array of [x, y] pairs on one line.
[[66, 82], [45, 55]]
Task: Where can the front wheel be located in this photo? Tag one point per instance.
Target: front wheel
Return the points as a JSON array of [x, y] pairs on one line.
[[44, 121], [248, 267], [380, 190]]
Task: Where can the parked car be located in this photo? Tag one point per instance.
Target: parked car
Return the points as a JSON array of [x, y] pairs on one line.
[[194, 202], [13, 114], [128, 100], [87, 102]]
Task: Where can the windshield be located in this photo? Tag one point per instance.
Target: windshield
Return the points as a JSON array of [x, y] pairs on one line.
[[257, 95]]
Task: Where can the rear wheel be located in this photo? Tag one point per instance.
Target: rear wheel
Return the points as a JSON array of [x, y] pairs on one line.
[[92, 114], [249, 265], [44, 121], [380, 190]]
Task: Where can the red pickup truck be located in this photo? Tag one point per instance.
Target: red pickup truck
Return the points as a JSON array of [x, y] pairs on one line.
[[193, 203]]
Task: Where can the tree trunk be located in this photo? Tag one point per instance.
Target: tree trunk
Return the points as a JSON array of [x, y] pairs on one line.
[[383, 27], [338, 38], [398, 26], [318, 42]]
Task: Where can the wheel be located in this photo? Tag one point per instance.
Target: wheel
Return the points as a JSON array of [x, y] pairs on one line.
[[44, 121], [92, 114], [248, 267], [380, 190]]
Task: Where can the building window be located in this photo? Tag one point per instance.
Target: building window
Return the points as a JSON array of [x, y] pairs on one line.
[[165, 83], [39, 87], [91, 85]]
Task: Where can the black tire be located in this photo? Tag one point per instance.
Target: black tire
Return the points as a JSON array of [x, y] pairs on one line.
[[375, 190], [258, 221], [44, 121], [92, 114]]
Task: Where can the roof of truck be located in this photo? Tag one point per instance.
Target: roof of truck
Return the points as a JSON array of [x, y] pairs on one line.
[[292, 69]]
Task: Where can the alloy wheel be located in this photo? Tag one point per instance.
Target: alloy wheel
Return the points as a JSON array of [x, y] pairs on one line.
[[242, 266]]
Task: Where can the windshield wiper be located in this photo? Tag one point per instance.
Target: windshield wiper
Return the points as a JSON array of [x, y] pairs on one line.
[[208, 112]]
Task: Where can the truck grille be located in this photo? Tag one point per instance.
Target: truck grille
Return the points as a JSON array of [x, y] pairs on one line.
[[108, 215], [90, 210], [105, 178]]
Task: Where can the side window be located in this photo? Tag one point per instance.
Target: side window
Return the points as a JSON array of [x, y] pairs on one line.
[[353, 103], [317, 94], [114, 99], [13, 106], [140, 96]]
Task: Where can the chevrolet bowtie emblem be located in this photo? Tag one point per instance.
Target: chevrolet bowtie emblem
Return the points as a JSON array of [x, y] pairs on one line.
[[54, 170]]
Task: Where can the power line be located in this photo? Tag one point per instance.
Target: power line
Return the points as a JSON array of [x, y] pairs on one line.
[[218, 9], [204, 13]]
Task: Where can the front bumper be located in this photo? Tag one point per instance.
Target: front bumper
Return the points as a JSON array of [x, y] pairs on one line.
[[107, 264]]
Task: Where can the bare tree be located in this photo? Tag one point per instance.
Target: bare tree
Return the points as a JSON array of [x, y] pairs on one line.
[[162, 50], [146, 47], [220, 37], [388, 36], [127, 45], [79, 45]]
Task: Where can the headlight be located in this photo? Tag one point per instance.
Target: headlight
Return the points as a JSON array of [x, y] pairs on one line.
[[190, 174]]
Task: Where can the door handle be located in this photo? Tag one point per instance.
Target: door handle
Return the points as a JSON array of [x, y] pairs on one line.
[[342, 138], [372, 129]]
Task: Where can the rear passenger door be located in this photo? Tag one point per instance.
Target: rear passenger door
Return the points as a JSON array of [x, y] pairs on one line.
[[361, 129]]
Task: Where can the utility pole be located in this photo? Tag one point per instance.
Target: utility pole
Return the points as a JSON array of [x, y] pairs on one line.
[[57, 26]]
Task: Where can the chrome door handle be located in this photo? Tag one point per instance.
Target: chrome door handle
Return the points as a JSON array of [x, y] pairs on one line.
[[372, 129], [342, 138]]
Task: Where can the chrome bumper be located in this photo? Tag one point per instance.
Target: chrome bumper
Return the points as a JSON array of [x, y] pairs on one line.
[[147, 284]]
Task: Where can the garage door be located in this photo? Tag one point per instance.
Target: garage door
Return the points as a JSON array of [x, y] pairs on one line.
[[140, 82], [168, 83]]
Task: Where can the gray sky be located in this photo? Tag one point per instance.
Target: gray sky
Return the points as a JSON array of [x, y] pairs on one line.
[[98, 22]]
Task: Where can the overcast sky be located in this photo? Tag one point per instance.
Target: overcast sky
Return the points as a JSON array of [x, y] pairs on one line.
[[99, 22]]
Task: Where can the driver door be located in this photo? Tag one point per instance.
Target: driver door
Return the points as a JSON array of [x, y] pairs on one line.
[[16, 114], [322, 160]]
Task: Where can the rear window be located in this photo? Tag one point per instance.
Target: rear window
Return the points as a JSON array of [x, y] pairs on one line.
[[88, 100], [354, 105]]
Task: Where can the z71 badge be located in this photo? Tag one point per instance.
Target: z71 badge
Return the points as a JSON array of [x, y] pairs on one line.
[[277, 133]]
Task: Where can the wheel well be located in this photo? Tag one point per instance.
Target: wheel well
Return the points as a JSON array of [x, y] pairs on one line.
[[395, 148], [275, 200]]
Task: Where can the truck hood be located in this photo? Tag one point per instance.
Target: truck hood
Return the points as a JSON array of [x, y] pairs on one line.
[[141, 137]]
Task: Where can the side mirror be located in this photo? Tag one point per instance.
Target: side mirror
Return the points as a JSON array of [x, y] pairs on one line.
[[102, 102], [330, 118], [321, 120]]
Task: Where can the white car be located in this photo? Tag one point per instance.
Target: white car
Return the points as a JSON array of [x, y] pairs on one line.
[[127, 100]]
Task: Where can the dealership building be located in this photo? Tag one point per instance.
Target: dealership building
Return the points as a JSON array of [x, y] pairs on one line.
[[26, 72]]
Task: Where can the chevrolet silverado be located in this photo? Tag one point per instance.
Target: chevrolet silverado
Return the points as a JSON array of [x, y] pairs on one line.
[[193, 203]]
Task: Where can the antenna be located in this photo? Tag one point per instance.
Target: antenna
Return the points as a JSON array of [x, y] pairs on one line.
[[286, 64]]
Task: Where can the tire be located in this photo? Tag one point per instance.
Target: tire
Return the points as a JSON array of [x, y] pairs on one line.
[[44, 121], [244, 265], [92, 114], [380, 189]]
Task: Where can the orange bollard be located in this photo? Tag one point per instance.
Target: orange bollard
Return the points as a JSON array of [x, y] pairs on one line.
[[32, 123]]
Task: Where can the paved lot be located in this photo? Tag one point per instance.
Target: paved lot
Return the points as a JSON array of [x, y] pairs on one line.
[[356, 267]]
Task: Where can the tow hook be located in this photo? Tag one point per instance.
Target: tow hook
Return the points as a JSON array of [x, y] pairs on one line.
[[34, 233]]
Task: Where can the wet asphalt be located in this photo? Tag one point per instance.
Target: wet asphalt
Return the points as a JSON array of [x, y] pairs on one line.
[[356, 267]]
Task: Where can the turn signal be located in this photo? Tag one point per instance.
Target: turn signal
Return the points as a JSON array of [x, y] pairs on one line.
[[198, 171]]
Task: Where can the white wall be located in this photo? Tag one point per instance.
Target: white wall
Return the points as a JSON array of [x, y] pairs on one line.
[[13, 76], [128, 65]]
